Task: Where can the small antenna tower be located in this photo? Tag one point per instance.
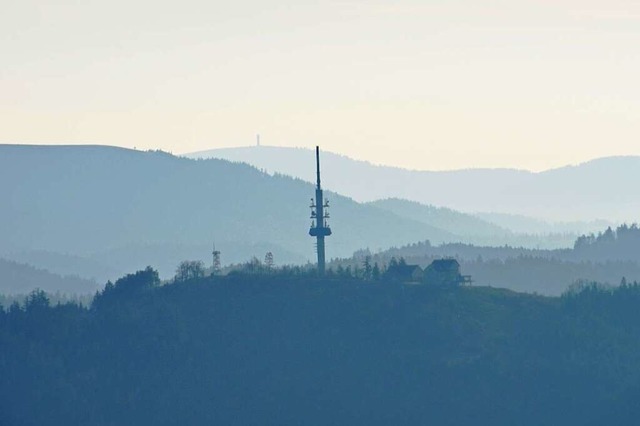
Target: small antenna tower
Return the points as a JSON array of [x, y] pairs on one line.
[[216, 260]]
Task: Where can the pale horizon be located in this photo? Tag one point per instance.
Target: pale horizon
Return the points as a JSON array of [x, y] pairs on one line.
[[311, 149], [420, 85]]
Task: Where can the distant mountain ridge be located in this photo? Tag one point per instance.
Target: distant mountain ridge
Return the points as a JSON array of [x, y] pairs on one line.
[[479, 231], [121, 210], [18, 278], [441, 217], [528, 225], [598, 189], [100, 212]]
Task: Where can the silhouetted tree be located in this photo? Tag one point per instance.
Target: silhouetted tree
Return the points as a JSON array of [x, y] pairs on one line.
[[268, 260], [36, 300], [128, 286], [367, 269], [253, 266], [347, 272], [189, 270], [375, 272]]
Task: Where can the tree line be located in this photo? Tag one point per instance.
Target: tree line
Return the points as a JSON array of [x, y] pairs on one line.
[[299, 349]]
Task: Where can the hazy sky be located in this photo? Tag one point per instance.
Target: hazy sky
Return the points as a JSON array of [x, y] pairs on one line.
[[420, 84]]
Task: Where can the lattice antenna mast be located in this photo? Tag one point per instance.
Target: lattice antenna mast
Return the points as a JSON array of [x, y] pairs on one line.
[[319, 215], [216, 261]]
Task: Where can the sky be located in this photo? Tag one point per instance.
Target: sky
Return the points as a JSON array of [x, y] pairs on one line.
[[412, 83]]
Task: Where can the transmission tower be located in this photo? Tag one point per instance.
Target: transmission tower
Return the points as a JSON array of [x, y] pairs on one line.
[[216, 260], [319, 215]]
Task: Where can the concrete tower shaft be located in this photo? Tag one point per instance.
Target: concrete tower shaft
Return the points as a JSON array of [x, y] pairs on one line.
[[319, 215]]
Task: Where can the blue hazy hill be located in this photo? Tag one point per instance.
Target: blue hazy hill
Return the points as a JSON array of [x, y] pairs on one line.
[[482, 229], [599, 189], [127, 209], [18, 278]]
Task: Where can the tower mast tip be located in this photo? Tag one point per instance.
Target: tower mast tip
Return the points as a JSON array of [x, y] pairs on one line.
[[318, 165]]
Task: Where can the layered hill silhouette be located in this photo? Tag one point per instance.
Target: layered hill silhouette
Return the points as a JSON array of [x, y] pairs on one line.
[[485, 232], [610, 257], [441, 217], [602, 188], [125, 209], [18, 278]]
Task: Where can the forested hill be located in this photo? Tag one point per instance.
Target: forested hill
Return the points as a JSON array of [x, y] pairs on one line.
[[611, 244], [607, 257], [125, 209], [298, 350]]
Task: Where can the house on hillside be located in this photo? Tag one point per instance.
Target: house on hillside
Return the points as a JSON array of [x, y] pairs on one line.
[[444, 272], [404, 273]]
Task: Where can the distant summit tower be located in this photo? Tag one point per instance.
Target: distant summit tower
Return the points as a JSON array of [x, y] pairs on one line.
[[319, 216]]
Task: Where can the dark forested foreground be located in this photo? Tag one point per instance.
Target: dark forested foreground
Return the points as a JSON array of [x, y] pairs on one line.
[[278, 350]]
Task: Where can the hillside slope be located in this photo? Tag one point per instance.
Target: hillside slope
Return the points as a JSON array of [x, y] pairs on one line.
[[610, 257], [441, 217], [18, 278], [482, 232], [598, 189], [128, 209]]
